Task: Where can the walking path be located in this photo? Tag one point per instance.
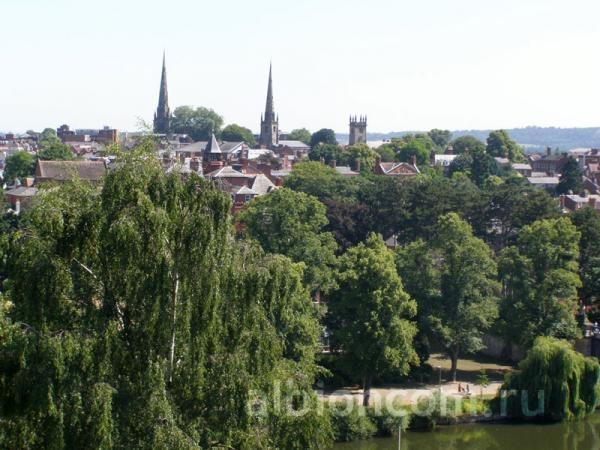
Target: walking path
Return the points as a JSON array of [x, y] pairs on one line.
[[409, 396]]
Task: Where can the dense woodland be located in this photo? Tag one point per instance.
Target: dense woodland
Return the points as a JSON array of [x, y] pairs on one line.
[[142, 315]]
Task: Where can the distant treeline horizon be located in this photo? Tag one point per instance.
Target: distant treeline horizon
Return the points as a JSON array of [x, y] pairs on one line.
[[531, 138]]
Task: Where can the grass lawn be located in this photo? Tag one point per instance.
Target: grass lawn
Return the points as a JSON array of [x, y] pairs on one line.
[[468, 369]]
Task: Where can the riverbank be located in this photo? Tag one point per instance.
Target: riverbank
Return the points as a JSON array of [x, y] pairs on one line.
[[574, 435]]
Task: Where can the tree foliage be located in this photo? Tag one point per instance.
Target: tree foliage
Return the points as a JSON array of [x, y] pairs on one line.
[[323, 136], [198, 122], [460, 289], [499, 144], [136, 321], [559, 383], [370, 314], [300, 134], [571, 178], [540, 282], [291, 223], [19, 165], [237, 133]]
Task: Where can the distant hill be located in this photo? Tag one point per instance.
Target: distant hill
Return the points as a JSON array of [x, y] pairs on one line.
[[531, 138]]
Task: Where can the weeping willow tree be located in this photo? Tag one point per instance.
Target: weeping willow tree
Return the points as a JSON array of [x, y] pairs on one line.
[[555, 382], [132, 319]]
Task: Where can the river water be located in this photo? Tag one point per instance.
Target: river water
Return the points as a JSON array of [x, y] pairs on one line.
[[580, 435]]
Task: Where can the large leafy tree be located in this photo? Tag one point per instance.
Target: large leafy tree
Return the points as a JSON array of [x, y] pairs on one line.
[[587, 221], [468, 291], [540, 282], [300, 134], [571, 178], [323, 136], [441, 138], [512, 205], [560, 380], [197, 122], [370, 314], [327, 153], [19, 165], [414, 148], [234, 133], [135, 318], [499, 144], [466, 144], [52, 148], [320, 180], [291, 223], [363, 154]]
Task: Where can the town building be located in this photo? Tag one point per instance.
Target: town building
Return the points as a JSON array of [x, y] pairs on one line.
[[269, 122], [162, 116], [358, 130]]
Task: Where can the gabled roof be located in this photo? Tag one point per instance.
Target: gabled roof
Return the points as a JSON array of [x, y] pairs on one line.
[[245, 190], [262, 185], [345, 170], [227, 172], [69, 170], [393, 168], [294, 144]]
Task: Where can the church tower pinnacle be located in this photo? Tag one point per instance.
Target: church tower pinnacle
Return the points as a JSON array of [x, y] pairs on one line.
[[269, 124], [162, 117]]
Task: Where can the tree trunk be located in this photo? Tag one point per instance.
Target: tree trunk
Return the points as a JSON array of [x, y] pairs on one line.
[[173, 328], [368, 379], [454, 367]]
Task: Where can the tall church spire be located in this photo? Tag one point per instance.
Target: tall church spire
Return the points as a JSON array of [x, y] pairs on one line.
[[269, 124], [269, 108], [162, 117]]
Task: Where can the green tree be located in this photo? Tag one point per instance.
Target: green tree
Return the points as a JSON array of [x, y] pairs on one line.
[[362, 153], [236, 133], [414, 147], [477, 164], [568, 381], [319, 180], [587, 221], [466, 144], [291, 223], [52, 148], [19, 165], [540, 281], [468, 302], [441, 138], [370, 314], [135, 317], [571, 178], [198, 123], [387, 152], [327, 152], [300, 134], [499, 144], [323, 136]]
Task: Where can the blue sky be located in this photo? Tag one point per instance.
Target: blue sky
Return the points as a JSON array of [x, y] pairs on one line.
[[461, 64]]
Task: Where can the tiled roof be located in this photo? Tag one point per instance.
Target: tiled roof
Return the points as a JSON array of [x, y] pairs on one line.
[[227, 172], [68, 170]]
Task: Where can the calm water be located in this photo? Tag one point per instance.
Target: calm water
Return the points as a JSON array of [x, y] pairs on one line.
[[583, 435]]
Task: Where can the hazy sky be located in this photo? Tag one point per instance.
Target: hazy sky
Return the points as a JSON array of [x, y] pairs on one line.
[[409, 65]]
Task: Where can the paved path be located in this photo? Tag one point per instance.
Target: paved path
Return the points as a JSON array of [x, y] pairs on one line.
[[408, 396]]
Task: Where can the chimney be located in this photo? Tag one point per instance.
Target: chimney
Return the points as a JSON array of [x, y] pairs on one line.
[[333, 163], [195, 164], [244, 162], [592, 202], [413, 160], [358, 165], [548, 151]]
